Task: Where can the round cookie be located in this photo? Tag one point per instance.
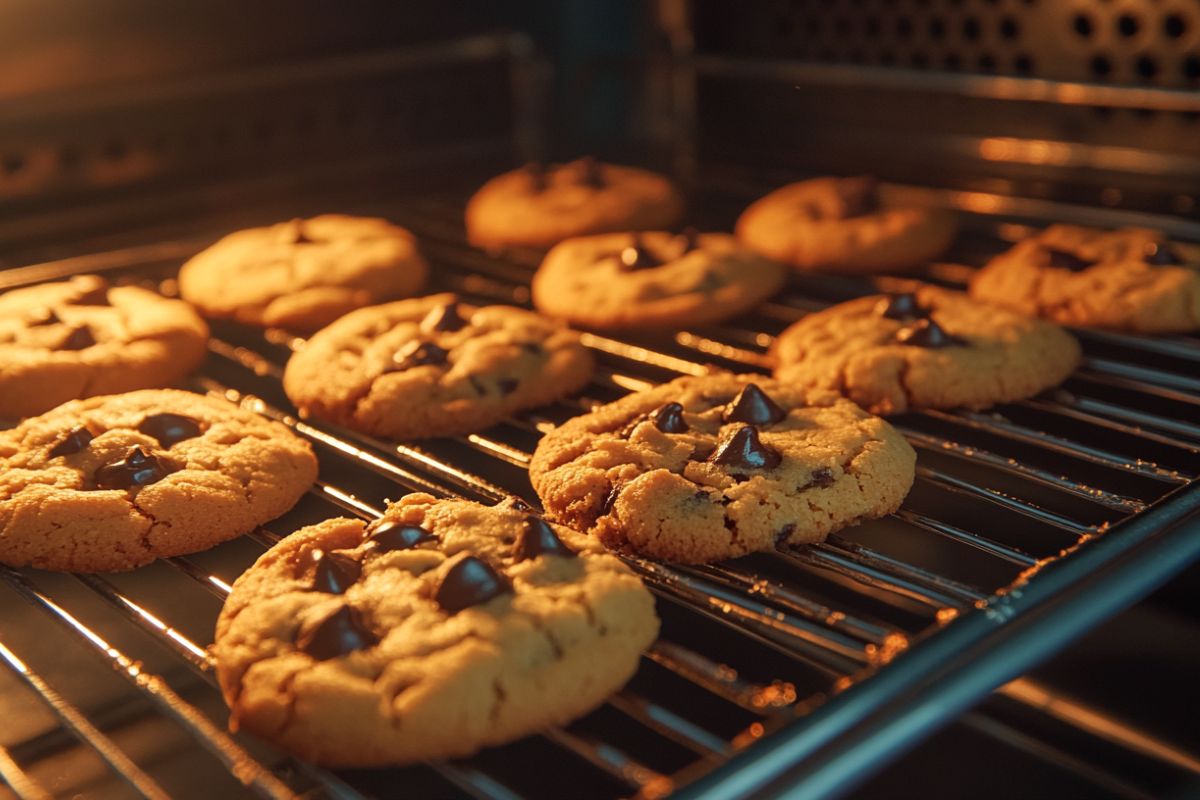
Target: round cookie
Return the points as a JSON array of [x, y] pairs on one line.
[[432, 366], [844, 225], [929, 349], [111, 483], [1131, 279], [629, 280], [440, 629], [540, 205], [305, 273], [80, 338], [713, 467]]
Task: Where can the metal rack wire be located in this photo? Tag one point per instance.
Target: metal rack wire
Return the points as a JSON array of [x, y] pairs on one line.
[[752, 651]]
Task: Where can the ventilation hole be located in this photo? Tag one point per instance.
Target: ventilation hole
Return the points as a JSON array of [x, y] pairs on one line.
[[919, 60], [937, 28], [1009, 28], [904, 27], [1147, 67], [987, 62], [1191, 67], [1174, 26], [1083, 25], [971, 28], [1101, 66], [1023, 64], [12, 163], [1127, 24], [952, 61]]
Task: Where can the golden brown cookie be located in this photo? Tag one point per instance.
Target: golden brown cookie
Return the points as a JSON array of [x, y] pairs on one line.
[[633, 280], [713, 467], [1130, 279], [440, 629], [305, 273], [929, 349], [111, 483], [82, 337], [540, 205], [844, 225]]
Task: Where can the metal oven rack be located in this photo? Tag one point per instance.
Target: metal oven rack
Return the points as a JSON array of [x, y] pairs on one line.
[[1026, 526]]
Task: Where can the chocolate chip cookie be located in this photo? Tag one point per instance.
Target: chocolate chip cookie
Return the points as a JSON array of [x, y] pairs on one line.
[[442, 628], [82, 337], [542, 204], [713, 467], [111, 483], [1131, 279], [929, 349], [433, 367], [630, 280], [844, 225], [305, 273]]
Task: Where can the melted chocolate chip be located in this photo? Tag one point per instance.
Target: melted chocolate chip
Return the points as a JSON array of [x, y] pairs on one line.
[[417, 354], [341, 633], [444, 318], [507, 385], [592, 173], [690, 238], [539, 539], [76, 440], [515, 503], [754, 406], [533, 348], [744, 449], [610, 500], [536, 171], [1061, 259], [859, 196], [636, 256], [903, 307], [1162, 255], [79, 338], [43, 316], [669, 418], [927, 333], [93, 291], [169, 429], [784, 533], [335, 573], [470, 582], [822, 478], [387, 537], [138, 468]]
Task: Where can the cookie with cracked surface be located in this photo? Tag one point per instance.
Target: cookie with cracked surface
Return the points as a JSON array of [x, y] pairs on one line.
[[83, 337], [433, 366], [629, 280], [442, 628], [305, 273], [713, 467], [1131, 279], [112, 483], [932, 348], [845, 225], [540, 205]]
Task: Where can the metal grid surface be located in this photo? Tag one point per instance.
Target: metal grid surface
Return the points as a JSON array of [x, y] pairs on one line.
[[752, 651]]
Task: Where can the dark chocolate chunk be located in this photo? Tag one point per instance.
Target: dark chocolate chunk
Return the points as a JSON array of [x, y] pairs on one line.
[[784, 533], [417, 354], [389, 536], [79, 338], [744, 449], [690, 238], [1162, 255], [754, 406], [515, 503], [822, 478], [539, 539], [76, 440], [669, 418], [42, 316], [444, 318], [859, 196], [592, 173], [340, 633], [138, 468], [927, 333], [92, 291], [636, 256], [903, 306], [470, 582], [610, 500], [536, 171], [169, 429], [507, 385], [335, 573], [1064, 260]]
